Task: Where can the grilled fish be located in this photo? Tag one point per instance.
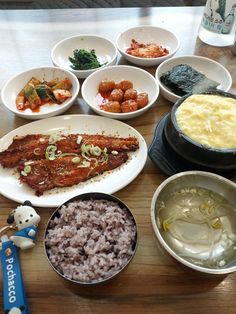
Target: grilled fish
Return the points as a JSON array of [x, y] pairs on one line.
[[43, 175], [34, 146]]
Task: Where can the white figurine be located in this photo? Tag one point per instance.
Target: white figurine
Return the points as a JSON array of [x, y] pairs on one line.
[[26, 220], [15, 310]]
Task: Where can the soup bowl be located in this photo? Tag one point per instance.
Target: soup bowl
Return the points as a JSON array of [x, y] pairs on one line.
[[200, 237]]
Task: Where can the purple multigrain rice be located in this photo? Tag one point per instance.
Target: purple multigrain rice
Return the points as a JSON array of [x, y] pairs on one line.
[[91, 240]]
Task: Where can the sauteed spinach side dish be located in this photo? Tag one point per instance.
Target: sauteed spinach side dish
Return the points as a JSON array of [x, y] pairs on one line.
[[84, 60]]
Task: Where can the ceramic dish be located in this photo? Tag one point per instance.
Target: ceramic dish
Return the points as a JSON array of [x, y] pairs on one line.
[[147, 34], [103, 264], [142, 82], [105, 51], [210, 68], [15, 85], [109, 182], [191, 240]]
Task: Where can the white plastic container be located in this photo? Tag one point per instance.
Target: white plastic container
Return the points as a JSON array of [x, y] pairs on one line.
[[218, 23]]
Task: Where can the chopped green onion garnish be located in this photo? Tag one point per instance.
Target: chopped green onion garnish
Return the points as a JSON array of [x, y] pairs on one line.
[[85, 164], [27, 169], [68, 154], [75, 160], [85, 148], [95, 150], [79, 139], [53, 138], [37, 151], [114, 152], [50, 152]]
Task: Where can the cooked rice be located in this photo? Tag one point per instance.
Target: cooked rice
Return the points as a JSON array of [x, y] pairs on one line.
[[91, 240]]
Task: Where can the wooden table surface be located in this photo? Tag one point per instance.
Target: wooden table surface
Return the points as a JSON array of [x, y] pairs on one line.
[[153, 282]]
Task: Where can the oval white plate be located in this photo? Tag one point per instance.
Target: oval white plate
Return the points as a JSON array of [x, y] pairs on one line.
[[109, 182]]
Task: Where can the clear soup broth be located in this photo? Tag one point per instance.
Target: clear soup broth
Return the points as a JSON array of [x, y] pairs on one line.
[[198, 224]]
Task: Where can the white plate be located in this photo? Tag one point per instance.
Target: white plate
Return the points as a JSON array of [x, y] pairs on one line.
[[111, 182]]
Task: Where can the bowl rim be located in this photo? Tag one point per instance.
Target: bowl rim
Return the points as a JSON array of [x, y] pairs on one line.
[[188, 57], [88, 196], [76, 84], [186, 137], [158, 235], [148, 59], [121, 114], [114, 57]]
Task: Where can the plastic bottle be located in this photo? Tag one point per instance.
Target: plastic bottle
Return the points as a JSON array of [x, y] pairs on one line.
[[218, 23]]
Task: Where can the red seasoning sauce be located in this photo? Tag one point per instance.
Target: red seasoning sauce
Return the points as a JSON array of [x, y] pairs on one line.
[[26, 105], [102, 98]]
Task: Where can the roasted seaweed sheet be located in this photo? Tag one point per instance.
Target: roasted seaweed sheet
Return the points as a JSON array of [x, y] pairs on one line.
[[183, 79]]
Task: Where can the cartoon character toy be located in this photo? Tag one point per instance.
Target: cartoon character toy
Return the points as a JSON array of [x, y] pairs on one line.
[[26, 220]]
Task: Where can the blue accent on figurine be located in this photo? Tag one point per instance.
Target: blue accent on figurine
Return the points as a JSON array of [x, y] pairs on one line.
[[26, 220], [28, 232], [13, 287]]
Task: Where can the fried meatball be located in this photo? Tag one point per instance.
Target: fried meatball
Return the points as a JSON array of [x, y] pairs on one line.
[[142, 100], [116, 95], [124, 85], [129, 105], [106, 86], [130, 94], [112, 106]]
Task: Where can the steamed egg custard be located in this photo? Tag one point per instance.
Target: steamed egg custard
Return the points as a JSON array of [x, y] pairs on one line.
[[209, 120]]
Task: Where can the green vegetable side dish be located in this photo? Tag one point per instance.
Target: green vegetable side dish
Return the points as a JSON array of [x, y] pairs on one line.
[[84, 60]]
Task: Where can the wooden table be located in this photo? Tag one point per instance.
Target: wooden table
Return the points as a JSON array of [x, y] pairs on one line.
[[153, 282]]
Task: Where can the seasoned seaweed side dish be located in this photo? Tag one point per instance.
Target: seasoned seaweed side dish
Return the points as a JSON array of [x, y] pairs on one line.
[[183, 79]]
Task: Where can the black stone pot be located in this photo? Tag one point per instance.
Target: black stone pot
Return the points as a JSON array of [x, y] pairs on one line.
[[219, 159]]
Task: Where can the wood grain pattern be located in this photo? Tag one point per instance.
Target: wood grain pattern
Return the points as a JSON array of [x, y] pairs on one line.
[[153, 282]]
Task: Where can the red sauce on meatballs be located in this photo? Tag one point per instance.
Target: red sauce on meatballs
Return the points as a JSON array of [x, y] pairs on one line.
[[119, 97]]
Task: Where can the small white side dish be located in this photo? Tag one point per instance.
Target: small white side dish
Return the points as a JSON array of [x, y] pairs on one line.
[[147, 34], [142, 82], [105, 51], [210, 68], [15, 85]]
